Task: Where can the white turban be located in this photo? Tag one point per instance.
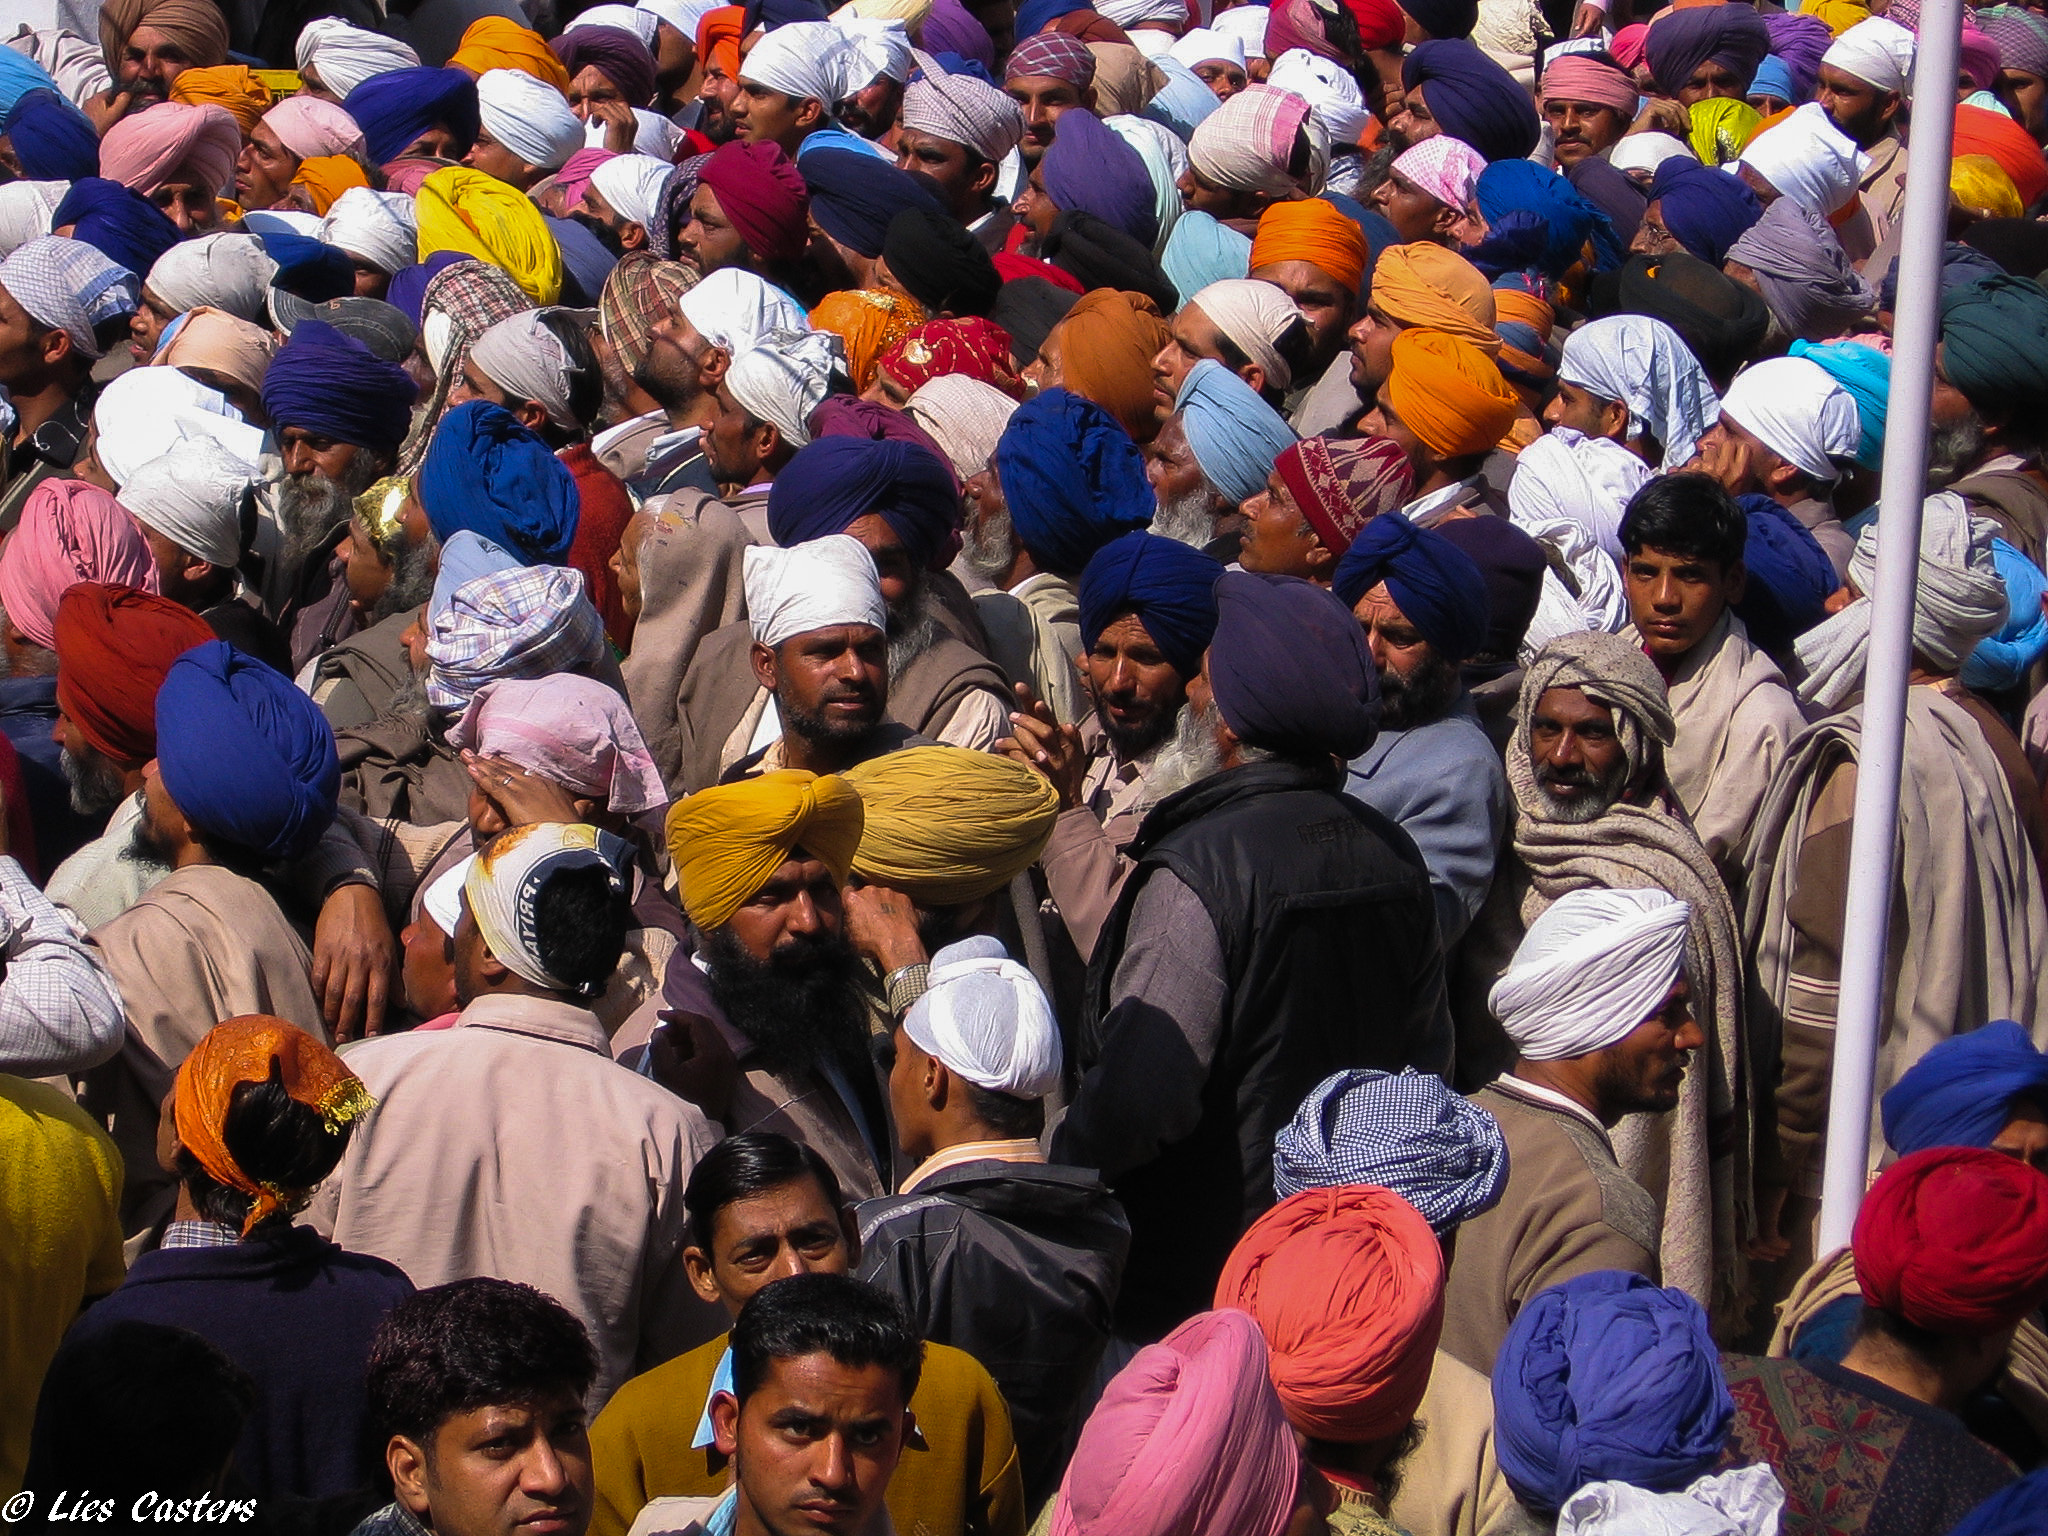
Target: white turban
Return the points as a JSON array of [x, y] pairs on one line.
[[1328, 88], [633, 184], [143, 413], [1599, 604], [1808, 159], [377, 227], [733, 310], [964, 416], [801, 59], [1645, 365], [873, 49], [229, 272], [529, 117], [1591, 969], [640, 22], [684, 15], [1798, 411], [1205, 45], [1253, 315], [1587, 479], [1647, 151], [785, 378], [192, 495], [1959, 598], [1165, 159], [820, 584], [1233, 146], [524, 358], [1877, 52], [653, 134], [964, 110], [1247, 23], [25, 209], [1128, 13], [344, 56], [986, 1018]]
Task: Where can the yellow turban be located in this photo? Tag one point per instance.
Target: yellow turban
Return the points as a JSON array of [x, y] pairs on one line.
[[326, 177], [946, 825], [478, 215], [1839, 15], [1433, 289], [230, 86], [1449, 394], [1721, 128], [498, 42], [727, 840], [912, 13], [870, 322], [1980, 182]]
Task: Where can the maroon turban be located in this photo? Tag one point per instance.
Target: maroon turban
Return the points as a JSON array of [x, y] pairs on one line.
[[1955, 1240], [763, 197], [613, 52], [114, 645]]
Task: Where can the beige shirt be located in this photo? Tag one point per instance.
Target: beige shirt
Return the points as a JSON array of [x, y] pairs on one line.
[[1451, 1484], [1026, 1150]]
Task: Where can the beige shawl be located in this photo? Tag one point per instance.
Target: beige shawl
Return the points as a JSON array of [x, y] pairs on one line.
[[1034, 635]]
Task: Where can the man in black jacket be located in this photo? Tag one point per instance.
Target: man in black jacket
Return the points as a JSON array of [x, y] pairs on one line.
[[1273, 931]]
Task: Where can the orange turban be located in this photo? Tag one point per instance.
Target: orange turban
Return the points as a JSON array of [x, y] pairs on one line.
[[1432, 289], [497, 42], [718, 38], [1980, 131], [1347, 1284], [870, 323], [326, 177], [229, 86], [1107, 342], [1449, 393], [1313, 231]]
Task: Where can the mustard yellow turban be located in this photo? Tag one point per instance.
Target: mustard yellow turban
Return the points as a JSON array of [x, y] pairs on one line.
[[1432, 289], [1979, 182], [478, 215], [946, 825], [497, 42], [1449, 394], [727, 840]]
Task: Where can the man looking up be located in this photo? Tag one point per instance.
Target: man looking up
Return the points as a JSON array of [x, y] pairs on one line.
[[1788, 430], [1321, 492], [1046, 75]]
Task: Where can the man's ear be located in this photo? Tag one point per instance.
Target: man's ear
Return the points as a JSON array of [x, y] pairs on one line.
[[712, 370], [632, 236], [762, 658], [1614, 420], [56, 346], [697, 1265], [531, 415], [938, 1083], [1737, 583], [725, 1423], [406, 1460]]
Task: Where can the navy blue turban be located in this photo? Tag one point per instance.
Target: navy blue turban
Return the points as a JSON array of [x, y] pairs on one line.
[[1473, 98], [1512, 566], [1961, 265], [52, 139], [488, 474], [1290, 669], [2018, 1509], [1706, 211], [854, 195], [1433, 581], [1607, 1376], [778, 13], [312, 269], [1169, 585], [1790, 576], [118, 222], [1609, 190], [1568, 220], [1733, 36], [1961, 1093], [395, 108], [330, 384], [1073, 478], [1090, 169], [833, 482], [244, 754], [1034, 16]]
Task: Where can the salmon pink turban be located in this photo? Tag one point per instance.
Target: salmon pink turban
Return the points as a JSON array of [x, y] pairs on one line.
[[1955, 1240], [114, 645], [172, 142], [69, 532]]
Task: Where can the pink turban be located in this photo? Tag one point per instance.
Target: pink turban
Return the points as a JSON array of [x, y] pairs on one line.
[[69, 532], [1628, 44], [310, 127], [574, 175], [172, 142], [572, 731], [1188, 1440], [1578, 78]]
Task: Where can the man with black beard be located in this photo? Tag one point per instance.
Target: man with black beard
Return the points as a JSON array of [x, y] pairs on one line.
[[1990, 397]]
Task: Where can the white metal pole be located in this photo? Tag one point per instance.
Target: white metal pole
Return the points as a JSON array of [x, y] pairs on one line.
[[1873, 853]]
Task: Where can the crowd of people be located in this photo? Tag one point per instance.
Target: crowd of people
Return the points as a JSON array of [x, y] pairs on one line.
[[956, 768]]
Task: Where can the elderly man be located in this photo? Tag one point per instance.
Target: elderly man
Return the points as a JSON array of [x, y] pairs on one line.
[[1249, 838], [1320, 493], [1317, 257], [147, 44], [1590, 102], [1446, 405], [1045, 75], [1789, 431], [954, 131], [1232, 438], [1990, 387], [1865, 77]]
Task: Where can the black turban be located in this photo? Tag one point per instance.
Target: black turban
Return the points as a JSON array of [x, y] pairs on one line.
[[940, 264]]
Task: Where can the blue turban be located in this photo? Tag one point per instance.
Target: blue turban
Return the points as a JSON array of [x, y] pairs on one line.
[[466, 557], [2003, 658], [52, 139], [1073, 478], [1202, 250], [312, 269], [1090, 168], [245, 755], [1774, 78], [833, 482], [1961, 1093], [1436, 584], [1607, 1377], [1234, 434], [1569, 221], [854, 195], [1866, 374], [1473, 98], [1181, 103], [488, 474], [1169, 585], [396, 107], [1706, 211], [2018, 1509], [1034, 16], [20, 74], [1733, 36], [1790, 576], [770, 14], [1403, 1131], [1290, 669], [1961, 265], [324, 382], [117, 221], [1512, 566], [1994, 341]]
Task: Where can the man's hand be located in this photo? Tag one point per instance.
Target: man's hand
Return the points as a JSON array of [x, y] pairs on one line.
[[1728, 461], [1039, 741], [354, 954], [1664, 115], [689, 1057], [882, 925], [108, 108], [1588, 19], [1770, 1243], [524, 799], [621, 127]]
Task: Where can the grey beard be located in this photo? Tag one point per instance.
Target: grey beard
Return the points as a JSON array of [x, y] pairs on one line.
[[912, 636], [314, 509], [412, 579], [411, 698], [989, 546], [1187, 757], [1190, 518], [1952, 450], [1581, 810], [96, 786]]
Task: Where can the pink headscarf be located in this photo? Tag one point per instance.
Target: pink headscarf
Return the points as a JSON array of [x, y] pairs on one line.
[[574, 175], [1188, 1440], [1980, 56], [1628, 44], [172, 142], [570, 730], [309, 127], [69, 532]]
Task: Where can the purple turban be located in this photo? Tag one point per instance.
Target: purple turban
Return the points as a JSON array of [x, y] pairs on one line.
[[1090, 168], [833, 482], [613, 52], [1434, 582], [1732, 36], [1799, 38], [951, 28], [395, 108], [1473, 98], [1706, 211], [1290, 669], [324, 382], [1170, 586]]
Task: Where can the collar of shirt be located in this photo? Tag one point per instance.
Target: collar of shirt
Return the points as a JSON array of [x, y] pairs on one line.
[[1536, 1093], [543, 1018], [199, 1234], [1419, 510], [1024, 1150], [624, 429]]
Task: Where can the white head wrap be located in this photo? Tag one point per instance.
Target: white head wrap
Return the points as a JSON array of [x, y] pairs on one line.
[[1254, 315], [193, 497], [820, 584], [1128, 13], [801, 59], [1166, 159], [1328, 88], [142, 415], [1593, 967], [529, 117], [506, 878], [964, 110], [1799, 412], [524, 358], [640, 22], [733, 310], [1808, 159], [1645, 365], [1647, 151], [345, 56], [1587, 479], [442, 899], [26, 206], [873, 48], [1207, 45], [986, 1019], [1959, 599], [684, 15], [785, 377], [290, 221], [377, 227], [632, 184], [229, 272], [1877, 52], [1747, 1501], [964, 416], [1229, 147], [1247, 23], [1600, 605], [653, 134]]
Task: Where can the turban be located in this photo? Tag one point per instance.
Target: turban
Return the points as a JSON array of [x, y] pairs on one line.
[[1073, 479], [343, 57], [1706, 211], [143, 413], [505, 880], [1774, 79], [964, 110], [310, 127], [982, 1014], [1310, 230], [1798, 42], [763, 197], [804, 60], [1979, 58], [1108, 341], [1404, 1131], [395, 107], [1588, 480], [1089, 168], [498, 42], [2021, 38], [1095, 255], [823, 583], [964, 417], [1568, 221], [1434, 583], [952, 28], [2002, 658], [785, 379], [1425, 287], [53, 140], [525, 621], [326, 177], [1473, 98], [1123, 77], [1253, 317], [1804, 273], [229, 272], [1233, 433], [529, 117], [1979, 185], [1445, 168], [1720, 320], [68, 286], [1955, 1240], [22, 76], [1582, 77], [1809, 160], [728, 840], [869, 323], [1170, 587], [613, 52], [1790, 575], [195, 26], [216, 341], [1877, 51], [171, 143], [833, 482], [464, 210], [1204, 45], [718, 38], [572, 731], [193, 496], [1052, 55], [1340, 485], [1591, 969], [114, 644], [1327, 86], [1449, 393], [635, 186], [376, 227], [974, 347], [1647, 151], [69, 532], [256, 1048], [1247, 144], [1201, 251], [1980, 131], [246, 756], [1994, 341], [947, 826], [876, 48], [2015, 1510], [1960, 1094], [1866, 374], [1644, 364], [1290, 669], [485, 472], [643, 24], [1181, 102], [331, 384], [1680, 41], [1798, 412], [1028, 307], [854, 195], [1197, 1400], [1607, 1376], [939, 263]]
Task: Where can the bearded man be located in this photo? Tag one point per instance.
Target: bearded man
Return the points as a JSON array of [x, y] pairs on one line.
[[1990, 393]]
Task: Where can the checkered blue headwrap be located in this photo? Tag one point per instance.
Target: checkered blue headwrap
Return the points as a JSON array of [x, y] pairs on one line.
[[1404, 1131], [529, 621], [69, 286]]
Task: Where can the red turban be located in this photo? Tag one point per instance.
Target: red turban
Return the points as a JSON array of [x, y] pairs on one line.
[[763, 197], [1980, 131], [114, 645], [1347, 1285], [1955, 1240]]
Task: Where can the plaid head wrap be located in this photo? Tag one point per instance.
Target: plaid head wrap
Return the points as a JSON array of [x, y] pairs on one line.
[[525, 622]]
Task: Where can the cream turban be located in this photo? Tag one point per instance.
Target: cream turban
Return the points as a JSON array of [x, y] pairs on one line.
[[1592, 968], [643, 24], [1204, 45], [344, 56], [229, 272], [192, 495], [633, 184], [726, 841], [733, 310], [1808, 159], [820, 584], [529, 117], [1877, 52], [785, 378], [874, 48], [946, 825], [986, 1017], [376, 227], [965, 418], [1328, 89], [1798, 411], [1254, 315], [527, 360], [801, 59]]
